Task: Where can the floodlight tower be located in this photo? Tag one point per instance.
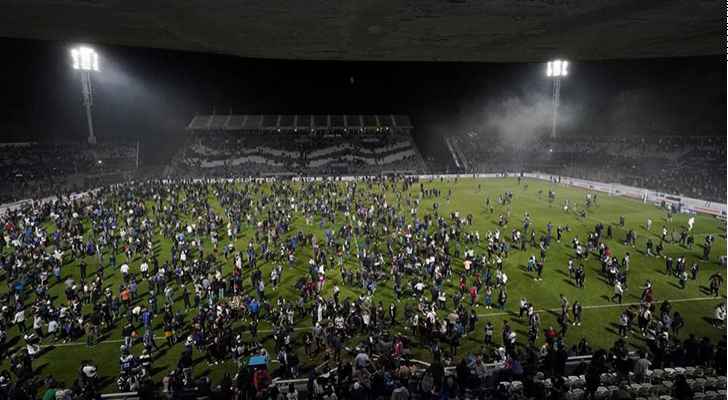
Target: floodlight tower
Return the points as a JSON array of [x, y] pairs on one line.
[[556, 70], [86, 60]]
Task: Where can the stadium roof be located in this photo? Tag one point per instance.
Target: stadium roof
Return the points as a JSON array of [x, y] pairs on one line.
[[300, 121], [426, 30]]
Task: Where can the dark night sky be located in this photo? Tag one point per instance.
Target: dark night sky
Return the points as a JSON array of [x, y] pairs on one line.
[[152, 94]]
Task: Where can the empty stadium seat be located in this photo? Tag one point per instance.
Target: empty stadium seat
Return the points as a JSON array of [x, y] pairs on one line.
[[575, 381], [656, 375], [576, 394], [645, 389], [722, 382], [712, 395], [659, 390], [699, 384], [602, 393]]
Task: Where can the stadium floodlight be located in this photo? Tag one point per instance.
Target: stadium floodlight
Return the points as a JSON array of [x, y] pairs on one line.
[[556, 70], [86, 60]]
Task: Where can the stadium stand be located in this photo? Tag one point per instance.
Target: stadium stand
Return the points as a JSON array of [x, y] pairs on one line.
[[385, 121], [688, 166], [37, 170], [338, 121], [353, 121], [368, 148], [251, 122], [321, 122], [269, 121], [303, 122], [235, 122]]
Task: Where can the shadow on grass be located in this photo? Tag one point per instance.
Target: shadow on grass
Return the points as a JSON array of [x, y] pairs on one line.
[[44, 350], [675, 285], [105, 381], [40, 369], [106, 335]]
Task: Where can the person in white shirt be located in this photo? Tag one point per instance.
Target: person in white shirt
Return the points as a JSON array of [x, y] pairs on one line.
[[19, 320], [52, 327], [523, 307], [38, 325], [618, 292], [720, 314], [124, 270]]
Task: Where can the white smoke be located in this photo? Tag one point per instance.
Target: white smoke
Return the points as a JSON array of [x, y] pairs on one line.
[[519, 120]]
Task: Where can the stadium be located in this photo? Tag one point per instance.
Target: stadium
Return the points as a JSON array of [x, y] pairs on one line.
[[364, 201]]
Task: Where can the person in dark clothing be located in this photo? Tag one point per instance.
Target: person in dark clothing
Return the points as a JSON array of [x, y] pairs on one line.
[[692, 348], [438, 373], [719, 362], [677, 323], [463, 374], [706, 352], [592, 377], [450, 388], [559, 389], [681, 389], [561, 357]]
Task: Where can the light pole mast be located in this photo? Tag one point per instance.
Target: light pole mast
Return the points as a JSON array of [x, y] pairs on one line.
[[88, 102], [86, 60], [556, 70]]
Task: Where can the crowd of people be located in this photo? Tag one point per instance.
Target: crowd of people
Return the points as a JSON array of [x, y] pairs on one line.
[[181, 272], [37, 170], [224, 154], [688, 166]]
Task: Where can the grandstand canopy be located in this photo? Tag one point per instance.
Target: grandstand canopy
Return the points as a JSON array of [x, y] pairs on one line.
[[425, 30], [287, 122]]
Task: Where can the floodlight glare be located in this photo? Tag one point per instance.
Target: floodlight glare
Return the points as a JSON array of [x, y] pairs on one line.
[[75, 57], [85, 58], [557, 68]]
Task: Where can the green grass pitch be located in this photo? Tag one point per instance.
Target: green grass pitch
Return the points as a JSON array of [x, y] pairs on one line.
[[599, 316]]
